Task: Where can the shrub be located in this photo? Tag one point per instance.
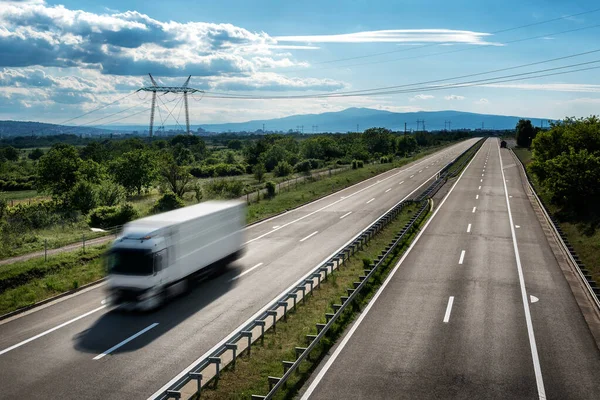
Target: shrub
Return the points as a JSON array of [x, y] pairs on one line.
[[110, 193], [283, 168], [385, 160], [259, 172], [225, 188], [303, 166], [315, 163], [33, 216], [270, 185], [168, 202], [111, 216], [357, 164], [83, 197]]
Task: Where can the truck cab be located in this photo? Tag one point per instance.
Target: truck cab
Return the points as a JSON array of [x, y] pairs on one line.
[[137, 263]]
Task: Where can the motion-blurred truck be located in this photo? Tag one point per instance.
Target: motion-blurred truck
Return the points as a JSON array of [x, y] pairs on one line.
[[156, 257]]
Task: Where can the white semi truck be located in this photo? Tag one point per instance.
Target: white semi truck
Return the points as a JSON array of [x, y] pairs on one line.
[[155, 257]]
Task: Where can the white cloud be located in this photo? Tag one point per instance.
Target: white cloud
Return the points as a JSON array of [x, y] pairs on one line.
[[482, 101], [553, 87], [395, 36], [421, 97], [131, 43], [454, 97], [268, 81]]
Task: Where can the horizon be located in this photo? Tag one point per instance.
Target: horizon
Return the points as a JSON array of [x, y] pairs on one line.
[[65, 60]]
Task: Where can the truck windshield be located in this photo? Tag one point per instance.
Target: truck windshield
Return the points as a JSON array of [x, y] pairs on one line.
[[130, 262]]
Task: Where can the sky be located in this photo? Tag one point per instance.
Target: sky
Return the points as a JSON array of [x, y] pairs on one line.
[[62, 60]]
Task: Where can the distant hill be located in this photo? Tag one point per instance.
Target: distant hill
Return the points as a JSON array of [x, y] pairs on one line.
[[347, 120], [27, 128], [339, 121]]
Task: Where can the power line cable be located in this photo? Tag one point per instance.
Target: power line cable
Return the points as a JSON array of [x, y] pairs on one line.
[[442, 43]]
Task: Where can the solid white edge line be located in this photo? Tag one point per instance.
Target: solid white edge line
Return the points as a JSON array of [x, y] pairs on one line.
[[448, 309], [534, 353], [345, 215], [362, 316], [266, 306], [124, 342], [51, 330], [309, 236], [245, 272], [462, 257], [469, 228]]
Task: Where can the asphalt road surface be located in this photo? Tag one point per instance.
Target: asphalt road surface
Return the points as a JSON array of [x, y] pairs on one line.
[[77, 348], [477, 309]]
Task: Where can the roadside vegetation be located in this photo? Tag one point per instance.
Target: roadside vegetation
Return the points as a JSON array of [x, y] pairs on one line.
[[53, 194], [564, 163], [250, 374]]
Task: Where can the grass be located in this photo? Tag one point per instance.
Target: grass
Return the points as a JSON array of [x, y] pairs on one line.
[[28, 282], [584, 240], [250, 374]]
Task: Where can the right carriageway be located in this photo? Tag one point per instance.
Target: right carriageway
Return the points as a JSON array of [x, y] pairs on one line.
[[478, 307]]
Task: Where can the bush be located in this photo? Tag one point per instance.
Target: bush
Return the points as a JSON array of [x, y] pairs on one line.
[[259, 172], [110, 193], [303, 166], [385, 160], [110, 216], [229, 189], [83, 197], [270, 189], [218, 170], [357, 164], [283, 168], [168, 202], [33, 216], [314, 163]]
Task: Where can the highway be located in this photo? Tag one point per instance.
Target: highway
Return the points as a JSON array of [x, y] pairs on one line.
[[77, 348], [477, 308]]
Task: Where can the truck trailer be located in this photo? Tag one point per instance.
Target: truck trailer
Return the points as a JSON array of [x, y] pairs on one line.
[[155, 257]]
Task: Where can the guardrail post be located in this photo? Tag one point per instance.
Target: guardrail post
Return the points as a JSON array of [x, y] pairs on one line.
[[273, 313], [283, 304], [198, 378], [248, 334], [293, 296], [303, 290], [262, 324], [233, 348], [173, 394], [217, 362], [311, 283]]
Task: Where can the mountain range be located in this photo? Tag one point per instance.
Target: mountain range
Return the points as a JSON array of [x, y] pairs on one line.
[[348, 120]]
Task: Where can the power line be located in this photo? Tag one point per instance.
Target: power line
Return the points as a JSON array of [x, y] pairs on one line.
[[447, 52], [442, 43], [96, 109], [386, 90]]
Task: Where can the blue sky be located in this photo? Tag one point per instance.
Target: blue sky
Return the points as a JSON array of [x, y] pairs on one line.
[[60, 59]]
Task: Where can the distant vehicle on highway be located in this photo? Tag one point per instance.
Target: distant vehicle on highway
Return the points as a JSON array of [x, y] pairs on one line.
[[503, 144], [155, 257]]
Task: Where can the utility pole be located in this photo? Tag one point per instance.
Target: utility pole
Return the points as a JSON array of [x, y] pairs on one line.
[[424, 130], [357, 128], [405, 128], [263, 128], [302, 129]]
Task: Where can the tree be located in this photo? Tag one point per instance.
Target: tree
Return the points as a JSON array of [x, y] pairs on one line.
[[283, 168], [168, 202], [379, 140], [182, 155], [259, 172], [566, 161], [95, 151], [406, 144], [11, 153], [230, 157], [525, 133], [36, 154], [58, 170], [177, 178], [110, 193], [135, 170], [83, 197], [234, 144]]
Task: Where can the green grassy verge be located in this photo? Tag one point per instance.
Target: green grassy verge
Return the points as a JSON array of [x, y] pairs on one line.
[[314, 189], [31, 281], [250, 374], [586, 242]]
